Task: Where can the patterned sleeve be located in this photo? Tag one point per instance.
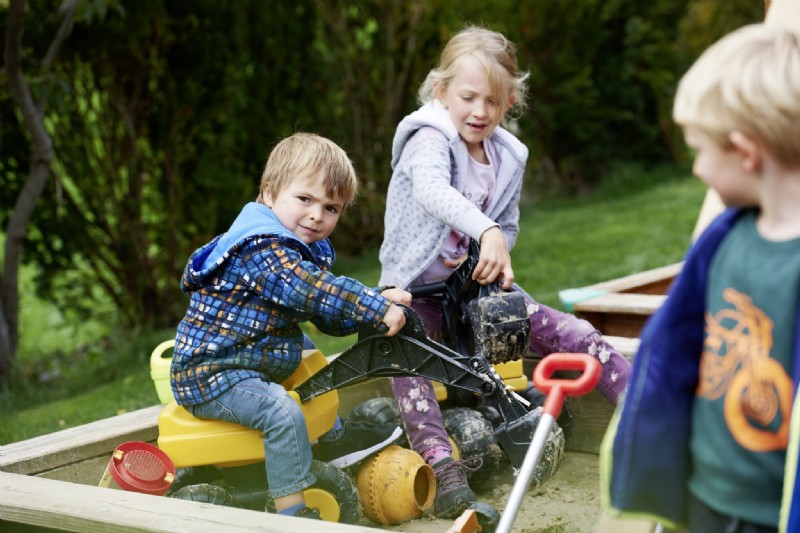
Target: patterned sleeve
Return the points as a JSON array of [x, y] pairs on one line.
[[429, 166], [335, 304]]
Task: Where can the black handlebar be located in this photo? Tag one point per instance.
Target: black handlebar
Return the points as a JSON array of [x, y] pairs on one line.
[[428, 289]]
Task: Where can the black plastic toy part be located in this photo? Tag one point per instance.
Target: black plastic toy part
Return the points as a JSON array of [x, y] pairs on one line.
[[480, 319], [412, 353]]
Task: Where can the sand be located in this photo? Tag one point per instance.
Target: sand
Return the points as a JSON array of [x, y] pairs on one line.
[[569, 502]]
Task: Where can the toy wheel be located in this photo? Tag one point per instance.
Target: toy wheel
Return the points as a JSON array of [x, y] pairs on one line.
[[334, 494], [205, 493], [194, 475], [379, 411], [488, 517], [537, 398], [474, 436], [552, 455]]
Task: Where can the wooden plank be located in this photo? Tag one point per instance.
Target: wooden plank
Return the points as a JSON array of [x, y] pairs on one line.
[[654, 281], [41, 454], [622, 303], [627, 346], [87, 509], [619, 314], [618, 324], [626, 303], [590, 417], [86, 472], [607, 524], [591, 413]]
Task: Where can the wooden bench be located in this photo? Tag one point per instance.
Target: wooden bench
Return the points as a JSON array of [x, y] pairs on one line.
[[620, 307], [619, 314], [51, 481]]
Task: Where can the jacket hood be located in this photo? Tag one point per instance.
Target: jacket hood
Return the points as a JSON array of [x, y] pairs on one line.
[[255, 220], [433, 114]]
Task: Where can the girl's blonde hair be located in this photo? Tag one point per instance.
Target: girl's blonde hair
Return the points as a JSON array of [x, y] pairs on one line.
[[748, 81], [494, 52], [303, 156]]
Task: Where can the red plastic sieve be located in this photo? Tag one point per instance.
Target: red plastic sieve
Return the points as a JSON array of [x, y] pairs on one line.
[[139, 467]]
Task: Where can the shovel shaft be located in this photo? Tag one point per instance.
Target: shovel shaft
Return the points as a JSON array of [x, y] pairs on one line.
[[523, 481], [556, 389]]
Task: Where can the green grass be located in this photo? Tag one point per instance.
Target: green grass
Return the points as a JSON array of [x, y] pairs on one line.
[[562, 244], [579, 243], [102, 380]]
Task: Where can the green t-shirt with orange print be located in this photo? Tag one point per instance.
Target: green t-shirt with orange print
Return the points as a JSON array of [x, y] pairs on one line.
[[740, 424]]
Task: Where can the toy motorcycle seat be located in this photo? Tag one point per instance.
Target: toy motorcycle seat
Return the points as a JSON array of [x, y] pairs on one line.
[[191, 441]]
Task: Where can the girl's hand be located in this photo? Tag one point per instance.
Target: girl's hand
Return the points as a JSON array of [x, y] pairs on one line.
[[398, 296], [395, 319], [495, 261]]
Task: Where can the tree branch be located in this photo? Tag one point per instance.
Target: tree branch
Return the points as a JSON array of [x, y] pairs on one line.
[[41, 157], [64, 30]]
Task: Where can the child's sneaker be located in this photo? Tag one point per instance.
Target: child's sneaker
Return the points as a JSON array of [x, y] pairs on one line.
[[355, 441], [453, 494]]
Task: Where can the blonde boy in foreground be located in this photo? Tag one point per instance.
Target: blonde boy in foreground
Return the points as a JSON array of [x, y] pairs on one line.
[[705, 435]]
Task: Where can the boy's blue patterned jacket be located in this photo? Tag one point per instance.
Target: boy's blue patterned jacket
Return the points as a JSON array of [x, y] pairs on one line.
[[645, 463], [250, 288]]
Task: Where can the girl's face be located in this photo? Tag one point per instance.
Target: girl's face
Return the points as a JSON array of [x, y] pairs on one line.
[[305, 209], [474, 108], [720, 168]]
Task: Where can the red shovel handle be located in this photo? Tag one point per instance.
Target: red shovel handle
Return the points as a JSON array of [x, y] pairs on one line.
[[556, 389]]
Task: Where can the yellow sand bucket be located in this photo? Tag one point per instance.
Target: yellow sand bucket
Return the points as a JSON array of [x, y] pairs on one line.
[[395, 486]]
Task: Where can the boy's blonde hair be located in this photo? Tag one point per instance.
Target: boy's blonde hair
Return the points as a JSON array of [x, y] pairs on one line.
[[304, 155], [748, 81], [494, 52]]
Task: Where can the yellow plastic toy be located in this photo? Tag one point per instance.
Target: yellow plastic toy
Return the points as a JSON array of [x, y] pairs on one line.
[[222, 462], [395, 486]]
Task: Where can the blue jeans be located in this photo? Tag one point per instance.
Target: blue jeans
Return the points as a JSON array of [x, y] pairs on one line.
[[268, 408]]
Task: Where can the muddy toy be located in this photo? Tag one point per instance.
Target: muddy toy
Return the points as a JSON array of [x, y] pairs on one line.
[[480, 319], [412, 353], [482, 326]]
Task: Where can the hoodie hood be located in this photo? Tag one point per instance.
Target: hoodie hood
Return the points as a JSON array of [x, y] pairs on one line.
[[255, 220], [433, 114]]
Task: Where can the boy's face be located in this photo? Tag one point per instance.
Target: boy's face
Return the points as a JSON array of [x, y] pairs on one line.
[[305, 209], [722, 169], [474, 109]]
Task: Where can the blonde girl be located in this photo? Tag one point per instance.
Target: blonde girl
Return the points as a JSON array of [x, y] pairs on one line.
[[457, 175]]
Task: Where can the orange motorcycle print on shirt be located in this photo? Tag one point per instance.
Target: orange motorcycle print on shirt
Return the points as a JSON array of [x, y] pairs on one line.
[[736, 363]]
